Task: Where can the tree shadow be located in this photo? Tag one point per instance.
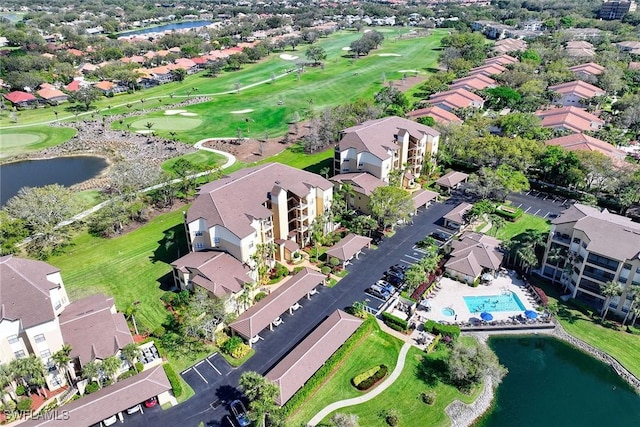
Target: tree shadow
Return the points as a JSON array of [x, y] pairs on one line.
[[431, 371], [567, 315], [227, 394], [317, 167], [431, 69], [172, 246], [166, 282]]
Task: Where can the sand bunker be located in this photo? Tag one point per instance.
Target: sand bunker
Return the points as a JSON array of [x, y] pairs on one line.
[[174, 112], [346, 48], [248, 110], [188, 114], [389, 54], [144, 131], [408, 71], [288, 57]]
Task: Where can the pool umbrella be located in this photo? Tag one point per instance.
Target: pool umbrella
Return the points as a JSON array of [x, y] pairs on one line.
[[530, 314], [486, 316]]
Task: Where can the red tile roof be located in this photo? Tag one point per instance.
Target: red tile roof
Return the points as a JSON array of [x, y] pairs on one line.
[[570, 118], [457, 98], [488, 70], [578, 88], [581, 142], [73, 86], [588, 68], [476, 82], [105, 85], [503, 59], [17, 97]]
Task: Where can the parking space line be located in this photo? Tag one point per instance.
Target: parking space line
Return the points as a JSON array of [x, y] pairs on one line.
[[198, 372], [422, 251], [198, 364], [209, 362], [406, 262], [519, 205], [185, 371], [409, 256], [527, 209], [537, 212], [545, 215]]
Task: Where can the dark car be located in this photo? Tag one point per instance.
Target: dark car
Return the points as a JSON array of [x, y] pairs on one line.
[[399, 267], [378, 292], [440, 236], [394, 279], [395, 273], [240, 412], [377, 237], [386, 285]]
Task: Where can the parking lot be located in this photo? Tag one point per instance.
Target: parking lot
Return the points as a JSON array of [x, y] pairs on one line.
[[206, 373], [539, 204]]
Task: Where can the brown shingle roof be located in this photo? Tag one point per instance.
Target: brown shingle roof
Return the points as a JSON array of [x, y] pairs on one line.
[[421, 197], [457, 214], [217, 272], [259, 316], [362, 182], [348, 246], [473, 252], [377, 136], [440, 115], [306, 358], [232, 201], [51, 93], [93, 328], [451, 179], [93, 408]]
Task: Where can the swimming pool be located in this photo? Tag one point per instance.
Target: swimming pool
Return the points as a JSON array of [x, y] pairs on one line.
[[448, 311], [494, 303]]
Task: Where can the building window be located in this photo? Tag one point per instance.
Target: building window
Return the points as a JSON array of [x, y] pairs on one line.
[[198, 233], [603, 262], [39, 338], [199, 245], [19, 354], [12, 339], [251, 244], [58, 305], [55, 381], [576, 240], [45, 353]]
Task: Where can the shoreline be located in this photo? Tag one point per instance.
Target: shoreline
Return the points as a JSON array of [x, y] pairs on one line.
[[466, 414]]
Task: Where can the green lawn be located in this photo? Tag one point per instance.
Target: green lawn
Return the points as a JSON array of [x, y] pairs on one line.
[[33, 138], [295, 157], [526, 222], [201, 158], [376, 348], [132, 267]]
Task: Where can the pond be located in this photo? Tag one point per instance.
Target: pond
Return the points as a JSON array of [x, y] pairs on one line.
[[550, 383], [65, 171], [166, 27]]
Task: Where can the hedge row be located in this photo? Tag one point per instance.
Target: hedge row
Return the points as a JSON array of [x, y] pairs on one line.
[[432, 345], [451, 331], [511, 216], [372, 378], [174, 379], [394, 322], [364, 375], [321, 374]]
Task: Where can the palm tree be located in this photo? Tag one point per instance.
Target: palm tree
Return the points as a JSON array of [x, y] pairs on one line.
[[636, 314], [635, 299], [527, 257], [346, 191], [554, 257], [131, 352], [92, 371], [61, 358], [110, 366], [148, 125], [498, 223], [609, 290], [6, 378]]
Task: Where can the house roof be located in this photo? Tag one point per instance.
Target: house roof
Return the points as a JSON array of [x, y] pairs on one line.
[[457, 214], [75, 52], [588, 68], [474, 252], [578, 88], [580, 52], [509, 45], [603, 228], [105, 85], [488, 70], [73, 86], [218, 272], [582, 142], [456, 98], [579, 44], [18, 96], [97, 406], [503, 59], [233, 201], [260, 315], [451, 179], [185, 63], [362, 182], [51, 93], [93, 328], [24, 291], [348, 246], [440, 115], [292, 372], [377, 136], [571, 118], [474, 82], [421, 197]]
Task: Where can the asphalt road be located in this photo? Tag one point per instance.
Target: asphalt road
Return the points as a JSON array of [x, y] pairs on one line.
[[215, 382]]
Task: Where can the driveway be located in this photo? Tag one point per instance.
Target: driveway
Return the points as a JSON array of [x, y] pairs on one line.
[[209, 405]]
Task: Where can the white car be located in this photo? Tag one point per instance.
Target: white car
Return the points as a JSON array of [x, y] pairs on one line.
[[277, 322], [110, 421], [134, 409]]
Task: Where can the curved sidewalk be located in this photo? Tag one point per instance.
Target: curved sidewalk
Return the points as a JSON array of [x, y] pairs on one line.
[[231, 159], [361, 399]]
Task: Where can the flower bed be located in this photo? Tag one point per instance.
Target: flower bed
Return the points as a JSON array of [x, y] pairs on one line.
[[509, 213], [370, 377]]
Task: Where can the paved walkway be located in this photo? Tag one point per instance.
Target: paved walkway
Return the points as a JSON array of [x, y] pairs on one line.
[[231, 159], [374, 393]]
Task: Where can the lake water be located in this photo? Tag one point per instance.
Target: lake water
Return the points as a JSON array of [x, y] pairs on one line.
[[550, 383], [38, 173], [167, 27]]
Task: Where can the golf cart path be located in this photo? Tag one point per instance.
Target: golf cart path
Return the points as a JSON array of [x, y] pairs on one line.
[[364, 398], [231, 159]]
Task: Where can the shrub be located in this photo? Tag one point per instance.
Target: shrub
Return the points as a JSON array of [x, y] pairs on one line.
[[279, 271], [221, 338], [259, 296], [451, 331], [240, 351], [174, 379], [509, 213], [475, 283], [139, 367], [367, 379], [325, 270], [158, 332], [394, 322], [391, 417], [21, 390], [428, 398], [297, 270], [24, 405], [231, 345], [126, 374], [92, 387]]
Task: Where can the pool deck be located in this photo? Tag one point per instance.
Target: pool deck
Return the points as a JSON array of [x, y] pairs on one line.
[[451, 293]]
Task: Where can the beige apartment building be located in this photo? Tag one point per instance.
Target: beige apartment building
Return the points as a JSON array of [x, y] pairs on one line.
[[384, 145], [587, 248]]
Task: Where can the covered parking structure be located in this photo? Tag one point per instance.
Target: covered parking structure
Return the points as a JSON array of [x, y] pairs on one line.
[[265, 312], [104, 403], [292, 372], [423, 198], [348, 247], [452, 180]]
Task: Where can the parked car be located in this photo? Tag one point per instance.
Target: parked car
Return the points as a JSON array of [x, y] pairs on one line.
[[387, 286], [377, 237], [393, 273], [394, 280], [453, 226], [379, 292], [399, 267], [440, 236], [240, 412], [110, 421], [134, 409], [149, 403]]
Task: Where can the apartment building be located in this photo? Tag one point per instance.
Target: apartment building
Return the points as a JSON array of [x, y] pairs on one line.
[[266, 204], [33, 296], [587, 248], [384, 145]]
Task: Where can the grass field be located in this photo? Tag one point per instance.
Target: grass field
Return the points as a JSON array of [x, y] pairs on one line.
[[18, 141], [201, 158], [166, 123], [526, 222]]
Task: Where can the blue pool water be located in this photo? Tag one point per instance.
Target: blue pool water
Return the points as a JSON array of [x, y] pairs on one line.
[[494, 303], [447, 311]]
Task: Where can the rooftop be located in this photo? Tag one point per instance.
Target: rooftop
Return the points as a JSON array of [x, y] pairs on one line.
[[452, 179], [362, 182], [348, 246], [582, 142], [438, 114], [218, 272], [474, 252], [570, 118], [578, 88]]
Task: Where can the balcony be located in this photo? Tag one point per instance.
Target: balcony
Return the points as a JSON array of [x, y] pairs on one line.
[[565, 239], [597, 275]]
